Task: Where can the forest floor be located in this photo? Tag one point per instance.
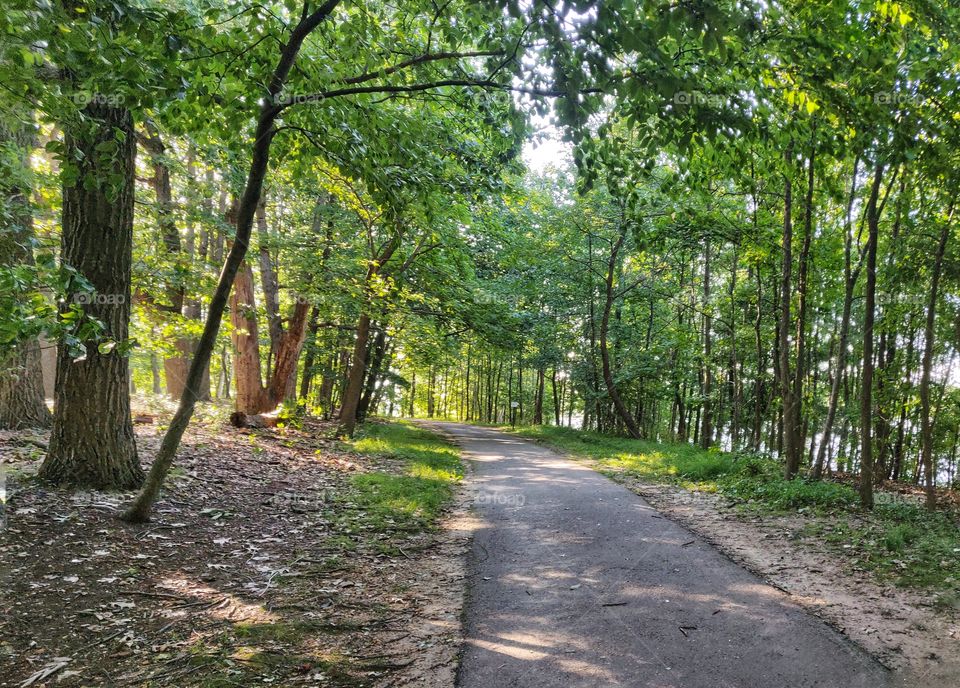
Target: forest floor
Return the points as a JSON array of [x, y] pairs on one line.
[[275, 557], [867, 575]]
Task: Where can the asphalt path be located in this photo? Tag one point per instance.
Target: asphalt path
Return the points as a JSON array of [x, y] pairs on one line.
[[575, 581]]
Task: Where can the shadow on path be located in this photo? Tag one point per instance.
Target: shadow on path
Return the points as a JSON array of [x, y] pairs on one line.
[[576, 581]]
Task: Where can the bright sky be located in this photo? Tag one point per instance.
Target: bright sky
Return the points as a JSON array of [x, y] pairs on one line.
[[546, 149]]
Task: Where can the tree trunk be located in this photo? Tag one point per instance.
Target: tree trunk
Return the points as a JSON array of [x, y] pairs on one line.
[[92, 442], [791, 447], [850, 279], [22, 402], [251, 397], [351, 395], [866, 374], [379, 355], [622, 411], [706, 428], [538, 399], [796, 419], [926, 429]]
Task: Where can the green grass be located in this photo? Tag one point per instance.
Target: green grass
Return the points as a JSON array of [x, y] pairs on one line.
[[900, 543], [413, 500], [680, 463]]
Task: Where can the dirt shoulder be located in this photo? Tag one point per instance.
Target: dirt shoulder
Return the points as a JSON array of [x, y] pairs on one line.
[[257, 569], [899, 627]]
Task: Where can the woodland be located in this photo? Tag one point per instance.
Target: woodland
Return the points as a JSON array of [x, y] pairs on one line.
[[715, 226]]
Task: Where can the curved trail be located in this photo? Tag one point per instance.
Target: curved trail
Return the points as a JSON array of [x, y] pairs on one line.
[[577, 582]]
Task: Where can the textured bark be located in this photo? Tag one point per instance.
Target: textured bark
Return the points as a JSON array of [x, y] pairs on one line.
[[351, 394], [270, 284], [92, 442], [21, 376], [251, 397]]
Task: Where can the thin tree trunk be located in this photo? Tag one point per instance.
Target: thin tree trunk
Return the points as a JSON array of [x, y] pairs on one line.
[[866, 374], [140, 510], [796, 419], [618, 404], [850, 279], [706, 429], [926, 429]]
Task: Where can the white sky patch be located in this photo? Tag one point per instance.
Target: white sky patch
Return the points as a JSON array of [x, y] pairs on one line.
[[546, 149]]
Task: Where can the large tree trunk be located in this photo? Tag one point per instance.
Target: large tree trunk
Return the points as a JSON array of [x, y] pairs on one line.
[[92, 442], [253, 396], [21, 376], [270, 283]]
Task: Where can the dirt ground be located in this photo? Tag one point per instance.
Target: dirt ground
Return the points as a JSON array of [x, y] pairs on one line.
[[256, 570], [900, 627]]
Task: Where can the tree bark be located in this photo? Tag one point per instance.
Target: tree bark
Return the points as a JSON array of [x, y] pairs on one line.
[[796, 419], [92, 442], [351, 395], [706, 428], [22, 403]]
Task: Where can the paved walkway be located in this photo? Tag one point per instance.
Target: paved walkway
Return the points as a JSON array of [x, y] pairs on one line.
[[577, 582]]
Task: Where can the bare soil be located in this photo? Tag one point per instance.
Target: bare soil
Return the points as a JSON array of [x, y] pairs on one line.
[[255, 570]]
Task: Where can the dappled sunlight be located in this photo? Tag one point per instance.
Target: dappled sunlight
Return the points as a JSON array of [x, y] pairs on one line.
[[223, 606], [586, 584]]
